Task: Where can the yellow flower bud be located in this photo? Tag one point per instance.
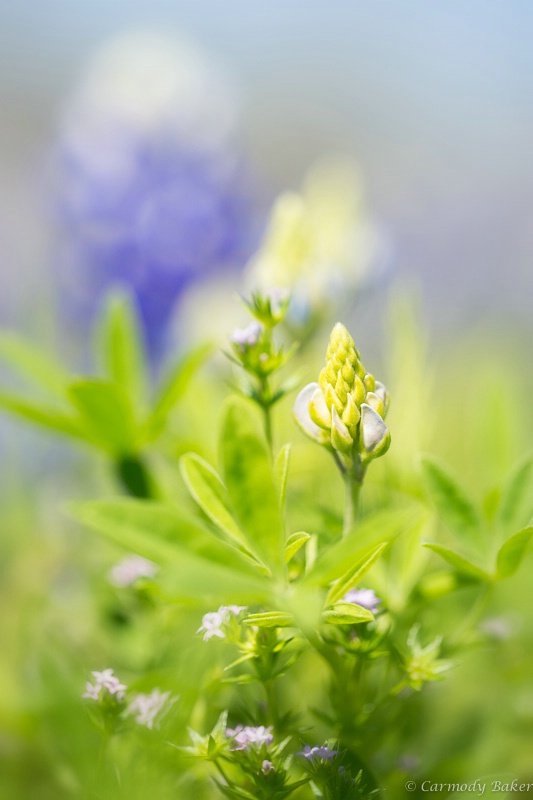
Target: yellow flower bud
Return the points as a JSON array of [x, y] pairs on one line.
[[347, 404]]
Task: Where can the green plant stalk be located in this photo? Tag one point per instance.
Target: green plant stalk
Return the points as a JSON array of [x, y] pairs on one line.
[[272, 702], [266, 405], [352, 483]]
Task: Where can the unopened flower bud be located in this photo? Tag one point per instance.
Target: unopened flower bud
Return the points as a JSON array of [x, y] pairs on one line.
[[345, 410]]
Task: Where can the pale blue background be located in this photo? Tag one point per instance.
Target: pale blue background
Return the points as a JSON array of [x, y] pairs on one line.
[[434, 98]]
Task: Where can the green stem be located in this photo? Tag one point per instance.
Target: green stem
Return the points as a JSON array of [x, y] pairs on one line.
[[268, 425], [353, 488], [272, 702], [218, 766]]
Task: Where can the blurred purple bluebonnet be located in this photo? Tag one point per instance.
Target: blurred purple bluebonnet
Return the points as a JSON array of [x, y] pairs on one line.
[[153, 193]]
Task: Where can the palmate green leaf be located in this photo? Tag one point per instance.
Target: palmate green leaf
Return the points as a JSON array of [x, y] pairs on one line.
[[516, 504], [173, 388], [461, 564], [377, 528], [453, 506], [355, 574], [197, 565], [248, 478], [121, 347], [105, 413], [43, 416], [512, 552], [281, 471], [29, 362], [207, 489], [293, 544], [270, 619], [347, 614]]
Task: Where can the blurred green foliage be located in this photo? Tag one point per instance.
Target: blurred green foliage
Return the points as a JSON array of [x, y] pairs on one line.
[[444, 522]]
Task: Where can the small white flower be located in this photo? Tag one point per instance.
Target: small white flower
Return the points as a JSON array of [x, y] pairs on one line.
[[146, 707], [91, 692], [212, 625], [267, 766], [247, 337], [130, 569], [235, 610], [105, 682], [213, 621]]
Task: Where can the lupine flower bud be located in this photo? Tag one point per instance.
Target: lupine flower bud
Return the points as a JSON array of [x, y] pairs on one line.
[[346, 408]]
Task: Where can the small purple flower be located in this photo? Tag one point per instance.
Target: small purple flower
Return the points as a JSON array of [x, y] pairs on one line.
[[363, 597], [267, 766], [248, 736], [313, 753]]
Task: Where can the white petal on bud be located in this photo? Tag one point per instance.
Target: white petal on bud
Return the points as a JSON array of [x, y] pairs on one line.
[[319, 410], [375, 401], [301, 413], [373, 428], [382, 393]]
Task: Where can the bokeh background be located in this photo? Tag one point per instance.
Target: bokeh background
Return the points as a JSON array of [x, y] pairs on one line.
[[434, 100], [435, 103]]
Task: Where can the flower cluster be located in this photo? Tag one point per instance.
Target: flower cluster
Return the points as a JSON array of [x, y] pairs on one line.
[[243, 738], [110, 693], [318, 752], [153, 192], [106, 684], [345, 410], [214, 622], [253, 347]]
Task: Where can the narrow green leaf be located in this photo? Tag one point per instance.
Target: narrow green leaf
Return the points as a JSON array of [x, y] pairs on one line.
[[293, 544], [207, 489], [270, 619], [354, 574], [451, 503], [517, 500], [38, 367], [106, 413], [163, 524], [461, 565], [281, 471], [196, 565], [377, 528], [122, 349], [347, 614], [174, 386], [248, 477], [44, 417], [512, 552]]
